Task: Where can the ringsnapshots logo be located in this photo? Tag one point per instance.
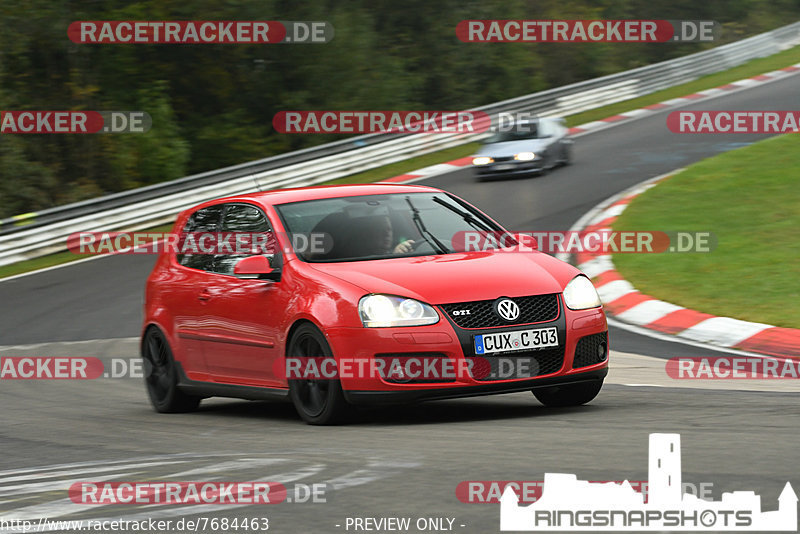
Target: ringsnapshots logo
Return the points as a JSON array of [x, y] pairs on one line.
[[569, 504]]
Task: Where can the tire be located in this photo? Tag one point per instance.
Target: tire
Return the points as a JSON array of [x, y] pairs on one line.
[[566, 155], [161, 375], [318, 402], [554, 163], [569, 395]]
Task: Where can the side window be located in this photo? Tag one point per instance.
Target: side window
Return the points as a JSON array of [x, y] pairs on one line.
[[204, 220], [558, 127], [240, 218], [545, 128]]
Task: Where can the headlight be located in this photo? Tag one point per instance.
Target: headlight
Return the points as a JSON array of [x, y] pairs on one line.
[[482, 160], [525, 156], [580, 294], [384, 310]]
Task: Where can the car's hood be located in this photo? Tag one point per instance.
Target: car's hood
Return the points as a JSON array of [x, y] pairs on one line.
[[510, 148], [458, 277]]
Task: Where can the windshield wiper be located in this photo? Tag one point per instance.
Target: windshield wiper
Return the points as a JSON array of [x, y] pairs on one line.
[[435, 244], [467, 216]]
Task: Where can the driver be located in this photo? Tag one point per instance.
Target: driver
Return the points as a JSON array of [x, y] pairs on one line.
[[381, 237]]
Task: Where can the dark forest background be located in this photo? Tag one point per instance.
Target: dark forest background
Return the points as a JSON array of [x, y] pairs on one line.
[[212, 105]]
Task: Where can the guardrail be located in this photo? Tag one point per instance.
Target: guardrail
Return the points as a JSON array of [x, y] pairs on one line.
[[44, 232]]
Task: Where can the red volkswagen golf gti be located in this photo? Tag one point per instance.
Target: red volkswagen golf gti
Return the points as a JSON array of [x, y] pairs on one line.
[[365, 294]]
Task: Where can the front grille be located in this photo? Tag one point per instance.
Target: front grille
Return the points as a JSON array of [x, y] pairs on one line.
[[504, 158], [587, 350], [533, 309], [527, 364]]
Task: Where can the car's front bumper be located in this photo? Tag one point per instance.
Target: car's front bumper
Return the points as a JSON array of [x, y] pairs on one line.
[[579, 333], [415, 395], [510, 168]]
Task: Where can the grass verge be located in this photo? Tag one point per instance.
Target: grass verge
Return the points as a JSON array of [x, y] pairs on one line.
[[746, 70], [750, 200], [408, 165]]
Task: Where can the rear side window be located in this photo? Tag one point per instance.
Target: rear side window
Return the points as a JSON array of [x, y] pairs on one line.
[[203, 220]]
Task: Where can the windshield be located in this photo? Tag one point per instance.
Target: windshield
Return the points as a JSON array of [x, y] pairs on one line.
[[520, 133], [380, 226]]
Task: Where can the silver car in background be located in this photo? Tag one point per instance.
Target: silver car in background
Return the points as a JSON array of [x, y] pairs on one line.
[[531, 147]]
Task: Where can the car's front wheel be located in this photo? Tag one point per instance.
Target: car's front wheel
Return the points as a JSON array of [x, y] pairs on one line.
[[566, 154], [568, 395], [161, 376], [318, 401]]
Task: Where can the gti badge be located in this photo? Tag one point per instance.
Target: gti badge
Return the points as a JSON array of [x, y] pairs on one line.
[[507, 309]]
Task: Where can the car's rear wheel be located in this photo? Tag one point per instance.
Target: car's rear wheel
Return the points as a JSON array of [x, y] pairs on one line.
[[568, 395], [317, 401], [161, 376]]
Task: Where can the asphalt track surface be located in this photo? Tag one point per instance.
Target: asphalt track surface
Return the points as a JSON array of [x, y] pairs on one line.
[[403, 461]]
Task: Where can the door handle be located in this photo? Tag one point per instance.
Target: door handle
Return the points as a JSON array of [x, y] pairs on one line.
[[204, 295]]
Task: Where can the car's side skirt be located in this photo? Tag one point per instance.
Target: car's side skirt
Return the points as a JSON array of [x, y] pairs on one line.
[[209, 389]]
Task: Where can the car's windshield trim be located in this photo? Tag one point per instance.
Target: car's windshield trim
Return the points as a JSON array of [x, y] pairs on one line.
[[300, 256]]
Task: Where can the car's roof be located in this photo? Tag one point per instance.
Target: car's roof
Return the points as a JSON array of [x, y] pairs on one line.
[[285, 196]]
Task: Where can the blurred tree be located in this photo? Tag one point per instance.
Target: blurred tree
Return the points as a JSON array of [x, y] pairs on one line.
[[25, 185]]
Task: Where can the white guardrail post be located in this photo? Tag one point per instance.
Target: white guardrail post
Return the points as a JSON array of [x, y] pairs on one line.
[[339, 159]]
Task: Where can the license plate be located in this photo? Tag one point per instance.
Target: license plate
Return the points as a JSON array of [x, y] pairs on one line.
[[538, 338], [504, 167]]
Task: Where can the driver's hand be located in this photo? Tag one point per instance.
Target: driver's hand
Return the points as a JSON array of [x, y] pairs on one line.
[[405, 247]]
